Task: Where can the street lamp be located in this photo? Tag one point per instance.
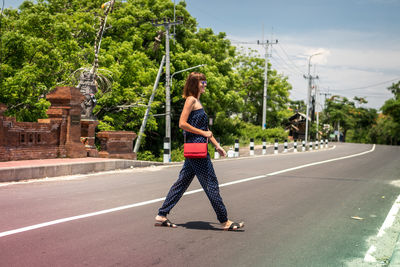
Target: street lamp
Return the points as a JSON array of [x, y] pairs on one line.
[[198, 66], [309, 93]]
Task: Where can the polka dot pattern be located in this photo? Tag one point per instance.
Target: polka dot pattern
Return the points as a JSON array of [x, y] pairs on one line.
[[202, 168]]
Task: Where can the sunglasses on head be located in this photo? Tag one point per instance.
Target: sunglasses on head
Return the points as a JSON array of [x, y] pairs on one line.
[[204, 82]]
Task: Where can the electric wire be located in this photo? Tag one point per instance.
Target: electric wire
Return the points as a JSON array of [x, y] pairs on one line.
[[283, 50], [368, 86], [295, 70]]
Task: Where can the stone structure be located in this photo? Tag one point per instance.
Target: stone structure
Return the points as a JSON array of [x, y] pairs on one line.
[[117, 144], [87, 87], [88, 132], [63, 134], [57, 136], [297, 126]]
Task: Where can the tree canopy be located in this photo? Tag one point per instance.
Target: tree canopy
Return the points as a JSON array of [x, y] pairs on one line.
[[43, 44]]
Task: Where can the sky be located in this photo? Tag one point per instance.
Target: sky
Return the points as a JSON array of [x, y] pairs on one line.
[[358, 41]]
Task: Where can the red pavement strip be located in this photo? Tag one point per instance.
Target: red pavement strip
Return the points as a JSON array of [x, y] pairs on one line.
[[44, 162], [12, 171]]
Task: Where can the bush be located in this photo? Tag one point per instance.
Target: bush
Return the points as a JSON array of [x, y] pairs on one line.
[[229, 129], [256, 132], [148, 156]]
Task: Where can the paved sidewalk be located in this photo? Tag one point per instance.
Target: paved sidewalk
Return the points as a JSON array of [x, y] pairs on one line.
[[36, 169]]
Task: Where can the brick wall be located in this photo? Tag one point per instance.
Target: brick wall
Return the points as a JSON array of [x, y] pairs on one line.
[[29, 140]]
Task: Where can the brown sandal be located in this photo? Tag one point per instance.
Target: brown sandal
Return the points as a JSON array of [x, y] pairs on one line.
[[166, 223], [234, 226]]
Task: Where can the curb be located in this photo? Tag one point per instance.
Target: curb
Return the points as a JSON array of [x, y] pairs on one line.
[[14, 174], [395, 259]]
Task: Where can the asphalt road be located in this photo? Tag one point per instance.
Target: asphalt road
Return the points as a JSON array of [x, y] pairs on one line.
[[297, 217]]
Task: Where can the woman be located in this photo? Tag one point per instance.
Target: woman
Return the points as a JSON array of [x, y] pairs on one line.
[[194, 122]]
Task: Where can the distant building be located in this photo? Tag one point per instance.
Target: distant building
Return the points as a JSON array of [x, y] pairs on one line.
[[297, 126]]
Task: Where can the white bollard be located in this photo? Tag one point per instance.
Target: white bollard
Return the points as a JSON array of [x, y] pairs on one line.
[[276, 146], [264, 149], [285, 146], [231, 153], [166, 157], [326, 143], [216, 153], [251, 146], [295, 146], [303, 146], [236, 148], [310, 145]]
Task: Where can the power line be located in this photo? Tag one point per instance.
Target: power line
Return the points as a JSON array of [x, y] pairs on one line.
[[287, 64], [283, 67], [368, 86], [294, 64]]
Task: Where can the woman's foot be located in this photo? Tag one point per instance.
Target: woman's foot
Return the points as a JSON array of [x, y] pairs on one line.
[[232, 226], [163, 221]]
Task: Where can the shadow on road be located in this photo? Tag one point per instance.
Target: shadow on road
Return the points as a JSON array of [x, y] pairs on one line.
[[200, 225]]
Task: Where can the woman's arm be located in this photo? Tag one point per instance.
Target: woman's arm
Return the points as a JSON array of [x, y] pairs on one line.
[[219, 148], [183, 124]]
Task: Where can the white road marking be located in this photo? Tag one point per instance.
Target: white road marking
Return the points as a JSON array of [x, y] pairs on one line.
[[78, 217]]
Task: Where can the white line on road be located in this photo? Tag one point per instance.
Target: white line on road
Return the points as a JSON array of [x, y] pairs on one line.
[[41, 225]]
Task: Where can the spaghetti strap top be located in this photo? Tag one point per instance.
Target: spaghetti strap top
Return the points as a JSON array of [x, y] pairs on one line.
[[199, 119]]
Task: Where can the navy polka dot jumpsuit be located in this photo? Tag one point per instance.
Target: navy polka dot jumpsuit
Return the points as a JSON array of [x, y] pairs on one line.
[[202, 168]]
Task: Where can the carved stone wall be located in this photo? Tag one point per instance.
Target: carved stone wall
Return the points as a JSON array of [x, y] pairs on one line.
[[57, 136], [117, 144]]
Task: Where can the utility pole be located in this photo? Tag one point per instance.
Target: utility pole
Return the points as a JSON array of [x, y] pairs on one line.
[[326, 96], [266, 45], [167, 23], [310, 78], [316, 87], [146, 115]]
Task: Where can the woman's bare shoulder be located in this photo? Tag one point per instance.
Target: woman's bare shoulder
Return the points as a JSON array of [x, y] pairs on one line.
[[190, 100]]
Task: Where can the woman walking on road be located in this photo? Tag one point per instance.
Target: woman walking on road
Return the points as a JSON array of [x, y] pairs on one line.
[[194, 122]]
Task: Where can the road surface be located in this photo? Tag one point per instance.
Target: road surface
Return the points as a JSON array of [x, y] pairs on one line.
[[319, 208]]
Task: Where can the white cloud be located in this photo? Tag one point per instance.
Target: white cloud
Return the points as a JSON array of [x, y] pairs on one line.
[[342, 66]]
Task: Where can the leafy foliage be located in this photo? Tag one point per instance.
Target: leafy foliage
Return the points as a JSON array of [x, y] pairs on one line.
[[43, 44]]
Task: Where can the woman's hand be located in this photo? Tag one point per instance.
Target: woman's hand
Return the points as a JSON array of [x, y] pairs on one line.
[[207, 134], [221, 151]]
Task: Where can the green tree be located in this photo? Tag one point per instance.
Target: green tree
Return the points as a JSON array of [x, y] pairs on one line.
[[387, 130], [250, 70], [339, 113], [44, 43]]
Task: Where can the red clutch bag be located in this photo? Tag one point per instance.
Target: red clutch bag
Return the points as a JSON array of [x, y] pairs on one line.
[[195, 150]]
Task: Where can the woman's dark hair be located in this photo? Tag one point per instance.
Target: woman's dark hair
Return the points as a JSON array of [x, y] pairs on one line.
[[192, 84]]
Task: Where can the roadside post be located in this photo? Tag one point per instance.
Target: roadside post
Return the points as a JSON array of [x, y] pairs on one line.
[[236, 148], [251, 146], [166, 149], [264, 149], [216, 153]]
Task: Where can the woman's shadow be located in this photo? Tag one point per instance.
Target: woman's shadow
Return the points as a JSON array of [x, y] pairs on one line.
[[200, 225]]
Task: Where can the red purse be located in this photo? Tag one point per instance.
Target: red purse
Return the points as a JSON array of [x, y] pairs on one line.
[[195, 150]]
